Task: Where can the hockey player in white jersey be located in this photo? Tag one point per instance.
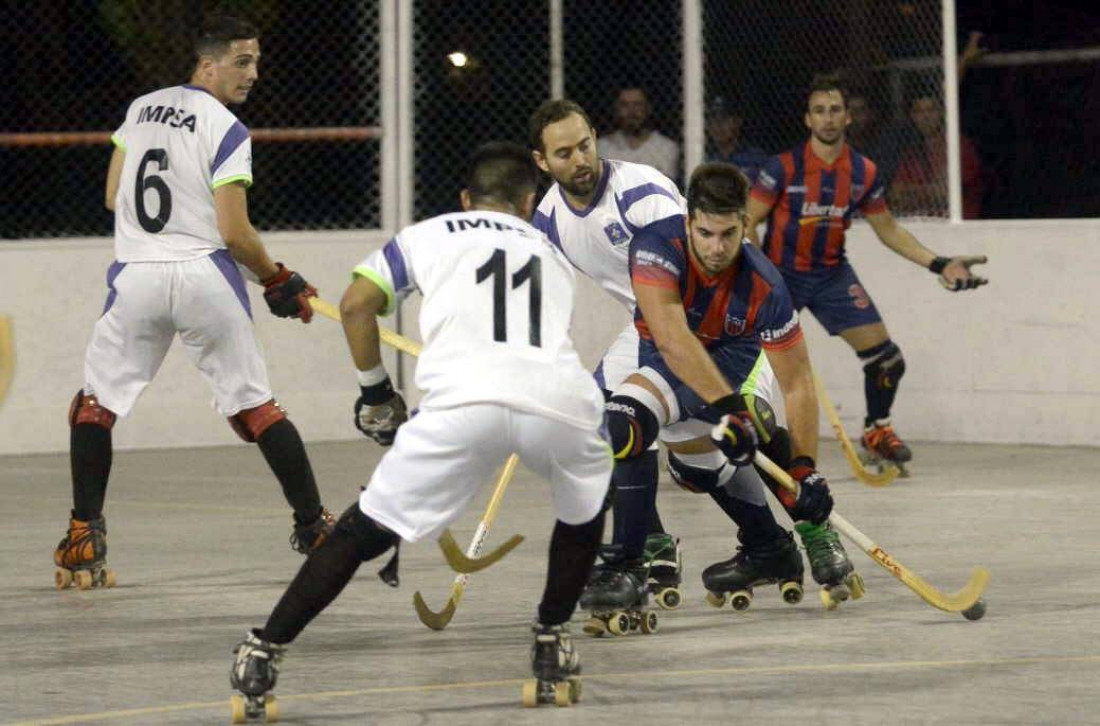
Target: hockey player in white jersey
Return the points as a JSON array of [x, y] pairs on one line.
[[499, 375], [592, 212], [176, 183]]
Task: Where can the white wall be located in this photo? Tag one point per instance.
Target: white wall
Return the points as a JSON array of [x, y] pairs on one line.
[[1012, 362]]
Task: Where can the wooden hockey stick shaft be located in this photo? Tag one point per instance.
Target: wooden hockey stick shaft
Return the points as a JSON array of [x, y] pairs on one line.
[[7, 356], [955, 603], [882, 479], [390, 338]]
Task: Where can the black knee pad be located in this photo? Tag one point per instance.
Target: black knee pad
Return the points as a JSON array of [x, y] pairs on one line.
[[371, 538], [762, 415], [778, 448], [694, 479], [632, 427], [886, 368]]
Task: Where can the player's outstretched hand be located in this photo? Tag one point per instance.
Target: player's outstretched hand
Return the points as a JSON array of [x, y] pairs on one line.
[[287, 294], [814, 502], [955, 275], [735, 436], [380, 411]]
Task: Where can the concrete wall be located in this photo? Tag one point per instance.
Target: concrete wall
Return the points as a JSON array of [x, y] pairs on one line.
[[1012, 362]]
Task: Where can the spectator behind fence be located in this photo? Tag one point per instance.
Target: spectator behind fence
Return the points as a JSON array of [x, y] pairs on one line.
[[724, 143], [635, 139], [868, 134]]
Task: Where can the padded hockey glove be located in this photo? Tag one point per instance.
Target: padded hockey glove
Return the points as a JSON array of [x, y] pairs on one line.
[[954, 281], [287, 294], [814, 502], [736, 437], [380, 411]]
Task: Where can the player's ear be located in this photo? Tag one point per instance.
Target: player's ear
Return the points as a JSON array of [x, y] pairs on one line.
[[527, 206], [806, 120], [464, 198], [540, 160]]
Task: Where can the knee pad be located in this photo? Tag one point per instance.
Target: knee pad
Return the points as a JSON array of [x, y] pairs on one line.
[[762, 415], [85, 409], [884, 365], [631, 425], [371, 538], [250, 423], [699, 473], [778, 448]]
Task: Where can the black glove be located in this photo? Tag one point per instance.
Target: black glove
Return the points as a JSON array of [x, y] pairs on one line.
[[735, 436], [380, 411], [287, 294], [814, 502], [955, 282]]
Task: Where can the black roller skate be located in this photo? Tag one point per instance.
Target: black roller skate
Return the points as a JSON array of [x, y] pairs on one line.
[[829, 564], [733, 580], [666, 565], [882, 448], [81, 556], [556, 666], [308, 537], [616, 597], [254, 674]]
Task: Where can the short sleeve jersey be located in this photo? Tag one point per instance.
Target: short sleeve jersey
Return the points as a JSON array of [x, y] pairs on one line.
[[747, 303], [181, 143], [812, 205], [498, 299], [597, 238]]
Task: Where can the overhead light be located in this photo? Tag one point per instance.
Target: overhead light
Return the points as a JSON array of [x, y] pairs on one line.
[[458, 59]]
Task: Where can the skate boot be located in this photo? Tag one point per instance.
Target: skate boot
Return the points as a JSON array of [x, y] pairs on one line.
[[665, 562], [308, 537], [254, 674], [732, 581], [616, 597], [556, 666], [81, 556], [829, 564], [882, 448]]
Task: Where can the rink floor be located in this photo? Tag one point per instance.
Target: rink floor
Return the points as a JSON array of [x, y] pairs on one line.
[[198, 539]]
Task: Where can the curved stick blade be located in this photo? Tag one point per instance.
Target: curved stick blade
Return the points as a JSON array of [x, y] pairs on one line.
[[434, 620], [865, 475], [458, 560], [956, 602]]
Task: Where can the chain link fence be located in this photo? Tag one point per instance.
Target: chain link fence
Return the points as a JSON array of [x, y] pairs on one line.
[[314, 114]]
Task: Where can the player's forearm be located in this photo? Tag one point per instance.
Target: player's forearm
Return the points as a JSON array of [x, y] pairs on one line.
[[691, 363], [246, 248], [902, 241], [800, 401], [363, 336]]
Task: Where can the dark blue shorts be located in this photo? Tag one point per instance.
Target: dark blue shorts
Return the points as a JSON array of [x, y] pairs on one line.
[[835, 296]]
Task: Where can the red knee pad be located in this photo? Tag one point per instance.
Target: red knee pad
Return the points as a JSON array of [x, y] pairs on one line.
[[85, 409], [252, 422]]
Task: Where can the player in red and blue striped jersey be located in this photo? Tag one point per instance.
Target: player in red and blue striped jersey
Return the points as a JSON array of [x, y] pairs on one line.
[[808, 196]]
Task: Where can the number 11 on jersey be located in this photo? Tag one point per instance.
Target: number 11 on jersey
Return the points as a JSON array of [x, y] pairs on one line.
[[496, 268]]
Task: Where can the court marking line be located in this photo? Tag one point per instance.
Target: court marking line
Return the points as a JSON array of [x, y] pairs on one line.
[[471, 685]]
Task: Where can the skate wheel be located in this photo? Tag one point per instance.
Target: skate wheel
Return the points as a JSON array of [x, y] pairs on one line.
[[975, 611], [669, 598], [271, 709], [563, 694], [576, 684], [594, 627], [83, 579], [238, 712], [530, 694], [109, 579], [716, 599], [649, 622], [618, 623], [62, 578], [856, 585], [791, 592], [827, 600], [741, 600], [903, 470]]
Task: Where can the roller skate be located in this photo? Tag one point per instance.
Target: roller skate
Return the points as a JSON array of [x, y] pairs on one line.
[[883, 448], [254, 674], [308, 537], [81, 556], [556, 666], [666, 564], [776, 562], [616, 597], [829, 564]]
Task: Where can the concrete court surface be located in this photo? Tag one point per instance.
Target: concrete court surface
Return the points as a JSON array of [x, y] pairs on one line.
[[198, 538]]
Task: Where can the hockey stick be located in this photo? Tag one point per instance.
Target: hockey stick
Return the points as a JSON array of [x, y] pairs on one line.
[[7, 357], [885, 477], [438, 621], [390, 338], [966, 601]]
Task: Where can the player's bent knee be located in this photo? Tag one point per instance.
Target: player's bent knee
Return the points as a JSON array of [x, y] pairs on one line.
[[886, 367], [762, 415], [632, 426], [371, 538], [85, 409], [698, 473], [251, 423]]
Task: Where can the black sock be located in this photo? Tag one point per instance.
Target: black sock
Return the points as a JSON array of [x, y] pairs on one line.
[[649, 461], [880, 379], [635, 483], [285, 453], [326, 572], [90, 454], [755, 521], [572, 552]]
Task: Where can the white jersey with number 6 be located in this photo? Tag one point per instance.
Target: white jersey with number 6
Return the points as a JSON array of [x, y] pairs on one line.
[[498, 298], [181, 143]]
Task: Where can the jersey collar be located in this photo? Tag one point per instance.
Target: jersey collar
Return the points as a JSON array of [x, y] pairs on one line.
[[816, 163], [192, 87], [601, 187]]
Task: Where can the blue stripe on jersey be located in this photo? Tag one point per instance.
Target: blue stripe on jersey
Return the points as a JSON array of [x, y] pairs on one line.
[[859, 179], [396, 261], [234, 137], [825, 199], [636, 194], [605, 175], [796, 200], [548, 226]]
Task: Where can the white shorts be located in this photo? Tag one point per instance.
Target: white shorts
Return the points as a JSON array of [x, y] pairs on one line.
[[204, 300], [620, 360], [443, 457]]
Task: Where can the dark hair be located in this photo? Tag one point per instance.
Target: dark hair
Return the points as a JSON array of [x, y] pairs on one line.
[[501, 172], [550, 112], [827, 82], [717, 188], [219, 31]]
